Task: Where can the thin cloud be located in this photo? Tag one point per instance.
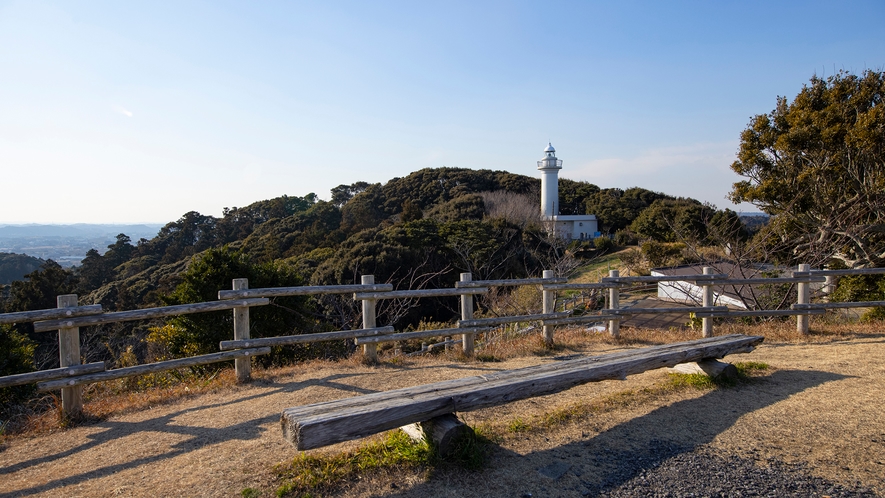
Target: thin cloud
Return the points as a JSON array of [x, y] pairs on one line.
[[123, 111], [668, 160]]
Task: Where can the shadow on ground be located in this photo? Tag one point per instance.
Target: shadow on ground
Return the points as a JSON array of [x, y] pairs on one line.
[[607, 460]]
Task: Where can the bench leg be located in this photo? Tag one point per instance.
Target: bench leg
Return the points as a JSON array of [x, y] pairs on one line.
[[444, 431], [710, 366]]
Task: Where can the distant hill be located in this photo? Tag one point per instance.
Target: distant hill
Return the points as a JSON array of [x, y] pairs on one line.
[[754, 221]]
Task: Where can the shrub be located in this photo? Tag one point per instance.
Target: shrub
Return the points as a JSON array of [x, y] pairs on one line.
[[603, 244], [16, 356], [625, 238]]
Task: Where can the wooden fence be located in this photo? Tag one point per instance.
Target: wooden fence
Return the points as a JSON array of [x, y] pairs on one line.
[[68, 317]]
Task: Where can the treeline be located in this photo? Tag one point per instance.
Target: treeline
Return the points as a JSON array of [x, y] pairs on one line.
[[421, 230]]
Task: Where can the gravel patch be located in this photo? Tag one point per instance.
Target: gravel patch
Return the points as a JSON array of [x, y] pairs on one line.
[[702, 473]]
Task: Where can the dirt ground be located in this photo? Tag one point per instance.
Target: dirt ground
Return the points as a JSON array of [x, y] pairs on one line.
[[820, 404]]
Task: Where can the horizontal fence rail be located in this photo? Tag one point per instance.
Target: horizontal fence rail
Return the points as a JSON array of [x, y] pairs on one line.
[[663, 311], [302, 291], [288, 340], [512, 282], [408, 294], [501, 320], [662, 278], [827, 306], [767, 281], [147, 314], [839, 273], [160, 366], [736, 314], [69, 317], [51, 374], [420, 334], [53, 314]]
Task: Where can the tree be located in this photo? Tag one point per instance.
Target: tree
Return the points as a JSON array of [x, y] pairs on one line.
[[39, 291], [671, 220], [215, 269], [817, 165], [343, 193], [616, 209]]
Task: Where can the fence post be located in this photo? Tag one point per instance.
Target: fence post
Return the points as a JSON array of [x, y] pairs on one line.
[[549, 305], [707, 323], [243, 366], [370, 349], [467, 314], [69, 354], [802, 297], [614, 326]]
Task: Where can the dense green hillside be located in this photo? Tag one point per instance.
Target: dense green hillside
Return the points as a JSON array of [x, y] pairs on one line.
[[16, 266], [420, 230]]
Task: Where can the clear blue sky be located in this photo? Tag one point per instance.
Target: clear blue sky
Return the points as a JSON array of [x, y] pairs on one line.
[[142, 111]]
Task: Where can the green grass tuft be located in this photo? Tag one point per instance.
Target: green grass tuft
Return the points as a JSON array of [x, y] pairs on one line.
[[310, 475], [748, 367], [518, 425]]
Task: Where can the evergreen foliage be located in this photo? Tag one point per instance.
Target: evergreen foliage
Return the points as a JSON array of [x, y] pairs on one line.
[[817, 165]]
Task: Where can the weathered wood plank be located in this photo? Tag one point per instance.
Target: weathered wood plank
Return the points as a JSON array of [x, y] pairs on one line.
[[146, 314], [562, 287], [421, 334], [51, 374], [652, 311], [331, 406], [579, 320], [510, 282], [500, 320], [303, 290], [303, 338], [418, 293], [765, 281], [667, 278], [50, 314], [161, 366], [320, 425], [726, 314], [826, 306], [856, 271]]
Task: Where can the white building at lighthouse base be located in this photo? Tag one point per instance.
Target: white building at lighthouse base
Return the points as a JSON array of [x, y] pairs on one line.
[[575, 226]]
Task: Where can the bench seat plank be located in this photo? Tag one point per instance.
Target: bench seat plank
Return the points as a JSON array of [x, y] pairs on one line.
[[322, 424]]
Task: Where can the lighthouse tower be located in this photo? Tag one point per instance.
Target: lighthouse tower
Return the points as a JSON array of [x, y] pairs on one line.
[[571, 226], [549, 167]]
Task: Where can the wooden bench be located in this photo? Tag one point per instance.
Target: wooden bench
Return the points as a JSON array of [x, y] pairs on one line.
[[322, 424]]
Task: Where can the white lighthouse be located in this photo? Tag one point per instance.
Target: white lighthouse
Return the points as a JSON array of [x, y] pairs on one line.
[[573, 226], [549, 167]]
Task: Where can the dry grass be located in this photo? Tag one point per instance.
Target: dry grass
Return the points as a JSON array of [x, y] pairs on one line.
[[106, 399], [209, 430]]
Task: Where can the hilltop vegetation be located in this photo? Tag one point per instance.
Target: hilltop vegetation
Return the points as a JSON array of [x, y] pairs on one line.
[[421, 230]]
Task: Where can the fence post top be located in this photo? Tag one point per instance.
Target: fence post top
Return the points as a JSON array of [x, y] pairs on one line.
[[66, 300]]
